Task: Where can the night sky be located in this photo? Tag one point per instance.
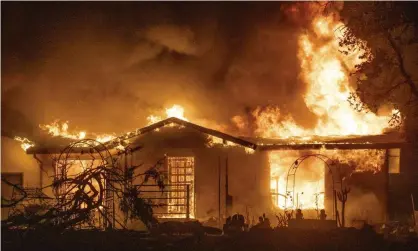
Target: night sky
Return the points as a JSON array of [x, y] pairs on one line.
[[106, 66]]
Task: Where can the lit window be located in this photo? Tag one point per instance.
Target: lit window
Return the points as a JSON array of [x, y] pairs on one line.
[[181, 177]]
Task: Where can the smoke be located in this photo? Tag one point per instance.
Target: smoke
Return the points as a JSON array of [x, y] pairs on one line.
[[106, 66]]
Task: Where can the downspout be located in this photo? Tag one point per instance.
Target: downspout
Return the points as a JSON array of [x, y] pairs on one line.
[[40, 170]]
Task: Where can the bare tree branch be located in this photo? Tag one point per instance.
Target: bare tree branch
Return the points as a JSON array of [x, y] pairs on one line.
[[402, 69]]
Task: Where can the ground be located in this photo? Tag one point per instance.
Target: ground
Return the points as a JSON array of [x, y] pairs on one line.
[[263, 240]]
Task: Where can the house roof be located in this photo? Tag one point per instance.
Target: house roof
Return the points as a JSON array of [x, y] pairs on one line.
[[382, 141], [389, 140], [50, 149]]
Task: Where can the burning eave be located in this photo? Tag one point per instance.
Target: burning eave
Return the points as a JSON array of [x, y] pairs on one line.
[[349, 142], [384, 141], [112, 144], [330, 146]]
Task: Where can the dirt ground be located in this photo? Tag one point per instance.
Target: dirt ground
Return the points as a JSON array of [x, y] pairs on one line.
[[263, 240]]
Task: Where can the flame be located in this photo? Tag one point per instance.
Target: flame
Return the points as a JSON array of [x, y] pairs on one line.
[[365, 160], [60, 129], [326, 71], [309, 179], [216, 141], [103, 138], [176, 111], [153, 119], [309, 186], [25, 143]]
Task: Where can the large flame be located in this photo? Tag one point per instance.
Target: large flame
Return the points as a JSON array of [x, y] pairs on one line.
[[176, 111], [304, 190], [326, 72]]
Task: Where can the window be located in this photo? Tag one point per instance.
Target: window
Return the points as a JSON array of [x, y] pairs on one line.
[[181, 184], [9, 193], [14, 178], [394, 158]]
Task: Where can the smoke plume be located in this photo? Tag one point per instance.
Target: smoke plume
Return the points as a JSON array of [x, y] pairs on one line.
[[106, 66]]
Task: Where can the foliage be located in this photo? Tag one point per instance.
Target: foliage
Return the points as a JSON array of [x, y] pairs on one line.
[[82, 196], [131, 202], [283, 219], [386, 32]]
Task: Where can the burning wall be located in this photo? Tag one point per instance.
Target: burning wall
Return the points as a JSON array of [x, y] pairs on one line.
[[363, 171], [323, 69], [14, 160], [244, 168]]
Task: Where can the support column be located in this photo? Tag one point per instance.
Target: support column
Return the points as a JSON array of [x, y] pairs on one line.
[[385, 171]]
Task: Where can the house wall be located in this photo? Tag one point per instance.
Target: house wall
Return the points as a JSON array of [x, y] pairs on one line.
[[367, 198], [368, 195], [249, 179], [249, 176], [15, 160], [48, 173], [248, 173], [403, 186]]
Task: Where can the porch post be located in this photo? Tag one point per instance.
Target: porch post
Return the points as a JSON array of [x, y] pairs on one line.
[[386, 186]]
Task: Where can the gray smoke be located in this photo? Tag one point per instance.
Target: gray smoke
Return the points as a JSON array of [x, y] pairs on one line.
[[106, 66]]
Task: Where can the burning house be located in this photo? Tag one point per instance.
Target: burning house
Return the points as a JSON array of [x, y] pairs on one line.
[[210, 174], [280, 165]]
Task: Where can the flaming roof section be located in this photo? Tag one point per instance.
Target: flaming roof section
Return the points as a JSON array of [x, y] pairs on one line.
[[385, 141], [111, 144]]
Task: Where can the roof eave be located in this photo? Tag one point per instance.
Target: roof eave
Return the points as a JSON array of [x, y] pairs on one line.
[[330, 146]]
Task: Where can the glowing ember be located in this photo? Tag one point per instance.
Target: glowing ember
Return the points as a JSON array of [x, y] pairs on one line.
[[215, 141], [104, 138], [212, 141], [25, 143]]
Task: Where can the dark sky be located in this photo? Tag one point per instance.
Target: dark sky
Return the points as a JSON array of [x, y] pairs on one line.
[[105, 66]]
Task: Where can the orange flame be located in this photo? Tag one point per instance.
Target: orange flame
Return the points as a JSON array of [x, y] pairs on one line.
[[326, 72], [25, 143], [58, 129], [176, 111]]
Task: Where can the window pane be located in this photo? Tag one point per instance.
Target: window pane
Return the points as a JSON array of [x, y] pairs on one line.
[[181, 171]]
